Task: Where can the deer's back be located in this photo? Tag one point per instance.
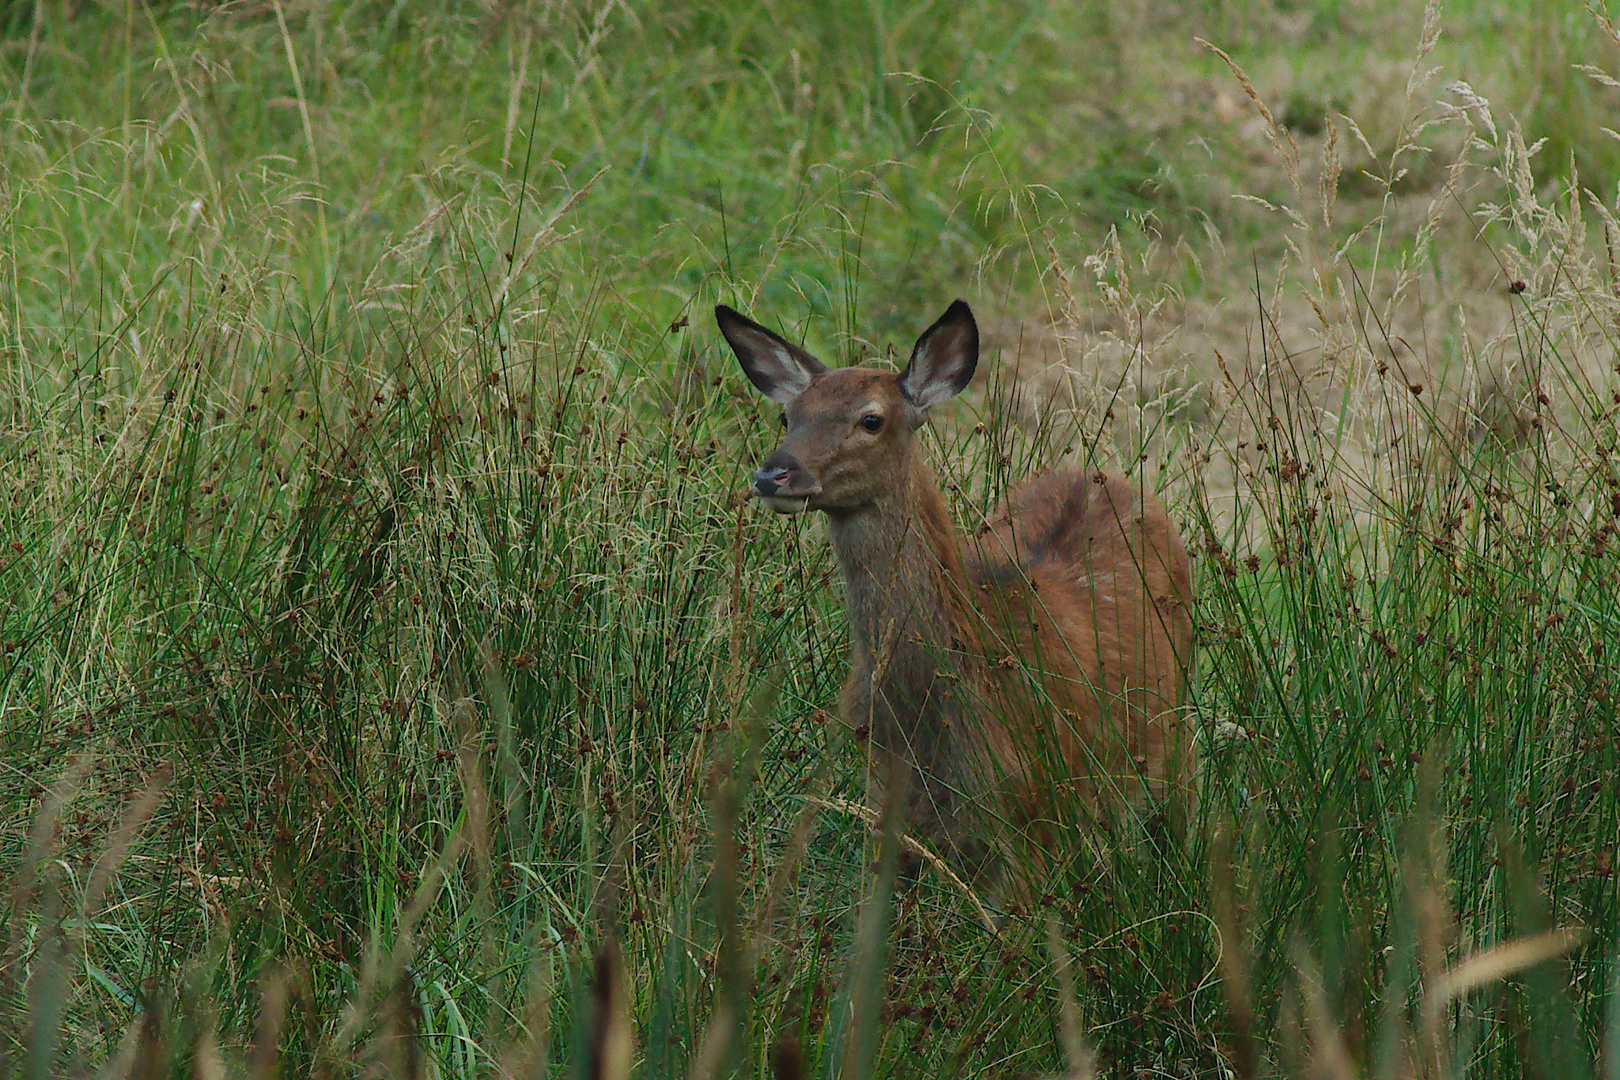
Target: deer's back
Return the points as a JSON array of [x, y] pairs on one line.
[[1083, 578]]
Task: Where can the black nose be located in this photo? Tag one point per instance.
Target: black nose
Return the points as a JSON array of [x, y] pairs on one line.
[[776, 472], [767, 481]]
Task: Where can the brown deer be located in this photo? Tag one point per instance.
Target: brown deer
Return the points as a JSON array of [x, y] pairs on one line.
[[1020, 679]]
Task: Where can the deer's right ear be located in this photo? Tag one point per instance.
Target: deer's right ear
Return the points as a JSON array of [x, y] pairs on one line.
[[778, 369]]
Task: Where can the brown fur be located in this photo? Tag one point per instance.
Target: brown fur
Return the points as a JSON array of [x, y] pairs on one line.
[[1027, 676]]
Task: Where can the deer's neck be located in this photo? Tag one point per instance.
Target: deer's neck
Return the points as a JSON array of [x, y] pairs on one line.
[[904, 580], [902, 566]]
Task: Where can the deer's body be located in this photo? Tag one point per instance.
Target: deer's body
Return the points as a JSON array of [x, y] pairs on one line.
[[1030, 674]]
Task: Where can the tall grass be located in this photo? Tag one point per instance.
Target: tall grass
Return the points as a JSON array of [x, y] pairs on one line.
[[384, 629]]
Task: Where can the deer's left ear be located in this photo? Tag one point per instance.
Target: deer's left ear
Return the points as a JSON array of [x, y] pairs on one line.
[[944, 359], [778, 368]]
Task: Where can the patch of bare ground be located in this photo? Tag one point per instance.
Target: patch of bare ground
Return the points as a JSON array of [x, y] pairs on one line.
[[1408, 300]]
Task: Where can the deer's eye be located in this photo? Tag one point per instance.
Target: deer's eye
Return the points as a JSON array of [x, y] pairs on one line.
[[784, 421], [872, 422]]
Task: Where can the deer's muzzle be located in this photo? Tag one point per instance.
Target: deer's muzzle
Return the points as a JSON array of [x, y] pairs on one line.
[[784, 483]]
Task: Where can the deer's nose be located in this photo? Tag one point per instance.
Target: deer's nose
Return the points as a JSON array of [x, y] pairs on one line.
[[780, 470], [768, 481]]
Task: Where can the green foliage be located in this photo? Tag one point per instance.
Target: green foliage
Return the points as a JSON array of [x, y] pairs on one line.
[[382, 627]]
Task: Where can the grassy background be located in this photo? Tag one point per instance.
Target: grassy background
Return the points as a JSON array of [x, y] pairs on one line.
[[379, 611]]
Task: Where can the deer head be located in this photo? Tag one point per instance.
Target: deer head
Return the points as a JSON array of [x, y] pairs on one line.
[[849, 433]]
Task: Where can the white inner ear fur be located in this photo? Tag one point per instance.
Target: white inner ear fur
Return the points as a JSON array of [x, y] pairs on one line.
[[795, 377]]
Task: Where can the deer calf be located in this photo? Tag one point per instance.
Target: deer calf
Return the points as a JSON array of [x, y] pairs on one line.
[[1019, 679]]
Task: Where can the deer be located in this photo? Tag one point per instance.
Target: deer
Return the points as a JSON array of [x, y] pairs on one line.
[[1015, 680]]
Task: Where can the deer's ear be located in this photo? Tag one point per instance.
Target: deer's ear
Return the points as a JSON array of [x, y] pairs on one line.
[[942, 363], [779, 369]]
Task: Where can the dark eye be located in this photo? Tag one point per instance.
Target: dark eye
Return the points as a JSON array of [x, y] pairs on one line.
[[872, 422], [784, 421]]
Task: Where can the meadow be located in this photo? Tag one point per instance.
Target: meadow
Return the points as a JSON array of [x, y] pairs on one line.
[[384, 628]]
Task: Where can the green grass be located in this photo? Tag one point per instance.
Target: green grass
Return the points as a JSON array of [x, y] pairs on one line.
[[382, 627]]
